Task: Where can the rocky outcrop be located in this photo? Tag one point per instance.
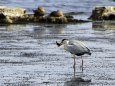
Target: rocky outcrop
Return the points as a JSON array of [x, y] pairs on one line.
[[18, 15], [13, 12], [8, 15], [103, 13]]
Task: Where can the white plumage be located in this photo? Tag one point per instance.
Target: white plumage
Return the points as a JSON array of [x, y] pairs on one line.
[[75, 47]]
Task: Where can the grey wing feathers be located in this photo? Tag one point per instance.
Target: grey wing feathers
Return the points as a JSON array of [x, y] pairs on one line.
[[77, 47], [82, 45]]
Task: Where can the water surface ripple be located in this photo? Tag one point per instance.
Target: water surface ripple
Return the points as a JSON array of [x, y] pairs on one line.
[[30, 57]]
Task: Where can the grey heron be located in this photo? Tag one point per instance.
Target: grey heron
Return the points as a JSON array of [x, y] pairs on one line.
[[76, 48]]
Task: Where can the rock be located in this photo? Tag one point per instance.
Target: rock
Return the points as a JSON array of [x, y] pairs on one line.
[[5, 19], [69, 17], [103, 13], [13, 12], [2, 16], [59, 20], [8, 15], [57, 17], [57, 13], [74, 13], [39, 12], [8, 19], [18, 16]]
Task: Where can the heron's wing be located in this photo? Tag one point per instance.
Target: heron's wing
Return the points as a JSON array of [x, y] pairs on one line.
[[79, 43], [77, 47], [73, 49]]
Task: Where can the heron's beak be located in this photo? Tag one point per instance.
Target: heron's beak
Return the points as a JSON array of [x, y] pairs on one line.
[[58, 44]]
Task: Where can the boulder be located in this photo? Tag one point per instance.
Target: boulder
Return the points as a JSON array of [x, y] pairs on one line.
[[57, 17], [13, 12], [57, 13], [8, 15], [40, 11], [103, 13]]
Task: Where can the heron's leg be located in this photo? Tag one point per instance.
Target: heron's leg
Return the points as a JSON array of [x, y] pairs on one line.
[[82, 63], [74, 65], [74, 61]]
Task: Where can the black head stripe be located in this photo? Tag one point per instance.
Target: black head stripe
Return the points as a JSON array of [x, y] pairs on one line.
[[63, 40]]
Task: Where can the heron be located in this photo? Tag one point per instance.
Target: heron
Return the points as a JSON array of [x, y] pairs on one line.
[[76, 48]]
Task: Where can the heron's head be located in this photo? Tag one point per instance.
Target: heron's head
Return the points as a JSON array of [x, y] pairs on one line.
[[64, 41]]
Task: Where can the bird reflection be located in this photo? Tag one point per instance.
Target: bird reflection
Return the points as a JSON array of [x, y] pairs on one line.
[[78, 82]]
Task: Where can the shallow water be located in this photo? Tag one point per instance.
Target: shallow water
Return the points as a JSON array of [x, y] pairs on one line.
[[30, 57]]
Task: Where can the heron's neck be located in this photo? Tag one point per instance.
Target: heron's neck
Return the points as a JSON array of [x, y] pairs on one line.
[[65, 45]]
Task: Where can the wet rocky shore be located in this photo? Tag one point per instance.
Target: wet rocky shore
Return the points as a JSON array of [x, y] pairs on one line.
[[18, 15]]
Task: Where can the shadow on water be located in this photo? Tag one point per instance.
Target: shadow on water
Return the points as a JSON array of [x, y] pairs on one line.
[[103, 25]]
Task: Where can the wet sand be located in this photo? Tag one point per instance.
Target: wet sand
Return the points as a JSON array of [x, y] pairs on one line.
[[30, 57]]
